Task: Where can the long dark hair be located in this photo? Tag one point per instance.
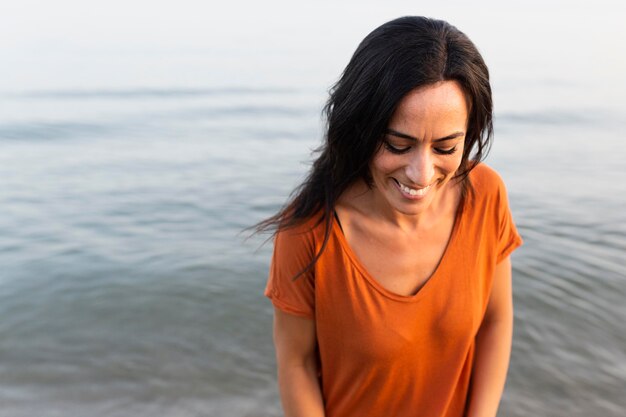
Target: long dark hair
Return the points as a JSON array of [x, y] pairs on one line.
[[394, 59]]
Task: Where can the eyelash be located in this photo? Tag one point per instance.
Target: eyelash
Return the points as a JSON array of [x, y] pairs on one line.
[[400, 151]]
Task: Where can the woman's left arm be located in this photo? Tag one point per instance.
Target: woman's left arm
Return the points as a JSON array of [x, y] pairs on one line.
[[493, 347]]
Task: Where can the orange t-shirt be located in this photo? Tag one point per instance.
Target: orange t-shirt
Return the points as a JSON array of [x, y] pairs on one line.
[[384, 354]]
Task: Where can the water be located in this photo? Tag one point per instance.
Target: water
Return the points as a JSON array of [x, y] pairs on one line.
[[126, 287]]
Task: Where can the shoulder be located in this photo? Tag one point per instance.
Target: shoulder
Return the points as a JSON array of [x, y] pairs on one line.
[[309, 226], [487, 192], [486, 184], [483, 177], [303, 235], [491, 211], [291, 283]]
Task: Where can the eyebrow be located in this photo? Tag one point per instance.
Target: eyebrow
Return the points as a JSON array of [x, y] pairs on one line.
[[405, 136]]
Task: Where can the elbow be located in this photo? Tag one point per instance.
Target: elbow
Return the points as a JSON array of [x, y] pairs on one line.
[[308, 362]]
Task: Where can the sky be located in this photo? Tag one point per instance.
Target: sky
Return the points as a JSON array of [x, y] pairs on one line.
[[69, 44]]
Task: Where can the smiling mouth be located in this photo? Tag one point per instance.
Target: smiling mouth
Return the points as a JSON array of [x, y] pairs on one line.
[[412, 191]]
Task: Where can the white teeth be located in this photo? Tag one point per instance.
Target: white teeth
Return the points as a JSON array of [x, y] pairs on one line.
[[413, 191]]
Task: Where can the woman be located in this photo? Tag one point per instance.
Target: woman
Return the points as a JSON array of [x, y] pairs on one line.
[[391, 278]]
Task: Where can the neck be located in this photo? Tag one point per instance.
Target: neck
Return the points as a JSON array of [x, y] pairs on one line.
[[443, 205]]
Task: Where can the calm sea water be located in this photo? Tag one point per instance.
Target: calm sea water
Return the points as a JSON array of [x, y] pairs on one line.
[[127, 287]]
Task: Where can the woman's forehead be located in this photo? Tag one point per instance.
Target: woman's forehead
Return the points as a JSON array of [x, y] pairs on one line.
[[439, 104]]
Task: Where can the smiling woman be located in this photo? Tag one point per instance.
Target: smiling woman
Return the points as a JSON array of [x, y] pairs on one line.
[[420, 157], [390, 277]]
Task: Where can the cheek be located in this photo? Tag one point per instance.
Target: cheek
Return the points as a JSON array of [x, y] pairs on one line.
[[448, 165], [453, 162], [383, 164]]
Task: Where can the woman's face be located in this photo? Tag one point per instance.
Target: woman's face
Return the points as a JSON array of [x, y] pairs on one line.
[[422, 148]]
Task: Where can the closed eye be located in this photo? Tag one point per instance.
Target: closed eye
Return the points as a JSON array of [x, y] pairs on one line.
[[444, 151], [404, 149], [395, 149]]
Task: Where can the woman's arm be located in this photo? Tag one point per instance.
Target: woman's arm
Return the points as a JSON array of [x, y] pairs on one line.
[[295, 340], [493, 347]]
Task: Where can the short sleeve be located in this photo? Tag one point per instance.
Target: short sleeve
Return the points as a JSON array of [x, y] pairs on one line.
[[508, 237], [294, 249]]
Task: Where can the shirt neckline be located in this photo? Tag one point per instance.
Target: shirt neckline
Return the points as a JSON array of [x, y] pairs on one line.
[[430, 282]]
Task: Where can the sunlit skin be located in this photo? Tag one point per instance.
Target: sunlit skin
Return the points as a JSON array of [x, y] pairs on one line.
[[422, 150]]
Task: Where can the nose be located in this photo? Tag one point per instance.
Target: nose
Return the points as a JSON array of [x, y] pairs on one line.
[[421, 169]]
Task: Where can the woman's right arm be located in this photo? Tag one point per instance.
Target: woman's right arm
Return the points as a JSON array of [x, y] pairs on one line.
[[295, 341]]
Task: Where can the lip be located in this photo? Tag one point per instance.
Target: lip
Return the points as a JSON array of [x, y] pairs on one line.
[[410, 196]]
